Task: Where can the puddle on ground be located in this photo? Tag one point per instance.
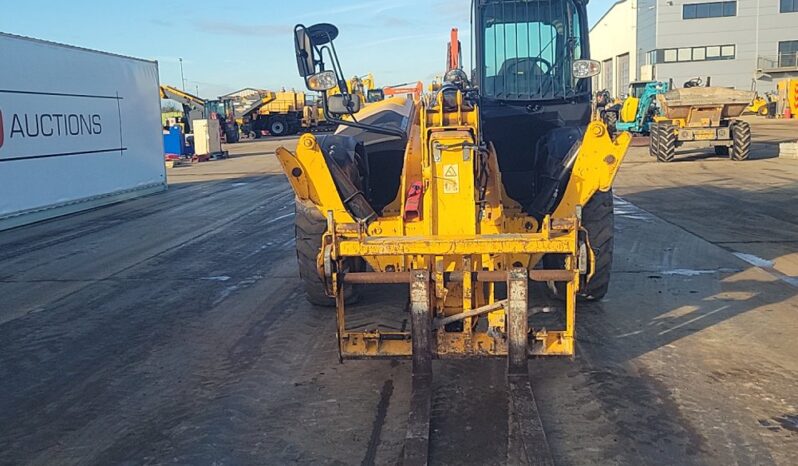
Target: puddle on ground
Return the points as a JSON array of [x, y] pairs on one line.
[[626, 209], [218, 278]]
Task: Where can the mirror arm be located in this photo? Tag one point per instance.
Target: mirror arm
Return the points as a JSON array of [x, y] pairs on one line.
[[320, 52], [343, 86]]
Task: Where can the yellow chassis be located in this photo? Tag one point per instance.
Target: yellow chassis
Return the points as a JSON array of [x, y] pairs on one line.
[[465, 240]]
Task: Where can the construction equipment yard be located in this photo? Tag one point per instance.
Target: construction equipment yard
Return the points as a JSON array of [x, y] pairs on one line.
[[173, 329]]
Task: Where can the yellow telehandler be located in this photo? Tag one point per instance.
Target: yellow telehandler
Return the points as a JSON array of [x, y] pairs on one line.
[[498, 178]]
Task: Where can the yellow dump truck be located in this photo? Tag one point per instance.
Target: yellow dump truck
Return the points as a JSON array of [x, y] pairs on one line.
[[701, 117]]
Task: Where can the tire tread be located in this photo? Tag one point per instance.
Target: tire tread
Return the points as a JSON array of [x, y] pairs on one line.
[[741, 141]]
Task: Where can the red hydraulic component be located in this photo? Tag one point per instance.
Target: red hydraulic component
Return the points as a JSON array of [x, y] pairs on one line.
[[454, 55], [413, 203], [414, 89]]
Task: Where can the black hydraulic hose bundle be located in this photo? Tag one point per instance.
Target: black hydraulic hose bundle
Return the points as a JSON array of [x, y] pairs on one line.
[[546, 200]]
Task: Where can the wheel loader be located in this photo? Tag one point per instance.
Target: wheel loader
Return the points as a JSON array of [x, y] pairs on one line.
[[465, 195]]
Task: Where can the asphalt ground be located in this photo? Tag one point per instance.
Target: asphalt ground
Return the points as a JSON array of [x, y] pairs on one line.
[[172, 329]]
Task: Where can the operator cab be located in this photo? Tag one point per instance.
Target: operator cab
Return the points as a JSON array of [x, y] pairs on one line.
[[638, 88], [526, 50], [531, 69]]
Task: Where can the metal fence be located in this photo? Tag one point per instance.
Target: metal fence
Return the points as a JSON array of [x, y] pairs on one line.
[[788, 60]]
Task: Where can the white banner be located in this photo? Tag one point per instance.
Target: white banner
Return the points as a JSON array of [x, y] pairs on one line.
[[54, 125], [75, 125]]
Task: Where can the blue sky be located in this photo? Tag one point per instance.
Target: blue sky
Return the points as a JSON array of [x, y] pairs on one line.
[[229, 45]]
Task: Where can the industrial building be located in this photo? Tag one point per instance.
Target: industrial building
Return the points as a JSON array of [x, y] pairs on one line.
[[737, 43]]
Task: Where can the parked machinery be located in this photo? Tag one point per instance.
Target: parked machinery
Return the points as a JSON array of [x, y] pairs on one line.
[[637, 112], [414, 89], [281, 113], [702, 117], [760, 105], [196, 108], [499, 178], [357, 85]]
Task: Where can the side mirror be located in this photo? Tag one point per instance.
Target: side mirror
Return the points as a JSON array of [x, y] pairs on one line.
[[305, 56], [343, 105], [307, 41], [585, 69]]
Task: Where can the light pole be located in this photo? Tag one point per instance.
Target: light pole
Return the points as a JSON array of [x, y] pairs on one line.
[[182, 78], [756, 48]]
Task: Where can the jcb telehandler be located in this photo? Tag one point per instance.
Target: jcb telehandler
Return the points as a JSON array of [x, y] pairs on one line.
[[500, 177]]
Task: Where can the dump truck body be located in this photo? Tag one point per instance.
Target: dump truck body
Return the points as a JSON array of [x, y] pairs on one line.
[[704, 106]]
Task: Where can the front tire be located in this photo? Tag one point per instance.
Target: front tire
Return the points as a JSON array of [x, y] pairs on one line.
[[309, 227], [741, 141], [598, 219], [666, 143], [653, 140], [611, 119]]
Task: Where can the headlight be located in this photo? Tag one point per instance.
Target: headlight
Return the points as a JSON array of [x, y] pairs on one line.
[[586, 68], [323, 81]]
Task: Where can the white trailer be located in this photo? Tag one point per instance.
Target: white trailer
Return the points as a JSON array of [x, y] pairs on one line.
[[78, 129]]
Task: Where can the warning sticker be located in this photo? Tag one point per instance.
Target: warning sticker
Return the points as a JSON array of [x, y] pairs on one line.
[[451, 179]]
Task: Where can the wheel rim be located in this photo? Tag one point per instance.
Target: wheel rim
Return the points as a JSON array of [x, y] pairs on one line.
[[278, 127]]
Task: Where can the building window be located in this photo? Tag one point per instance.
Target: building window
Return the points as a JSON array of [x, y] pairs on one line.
[[788, 6], [623, 74], [788, 53], [711, 9], [699, 53], [686, 54], [670, 56], [608, 75]]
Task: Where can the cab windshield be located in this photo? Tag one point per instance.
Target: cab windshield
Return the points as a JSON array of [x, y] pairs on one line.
[[637, 89], [528, 47]]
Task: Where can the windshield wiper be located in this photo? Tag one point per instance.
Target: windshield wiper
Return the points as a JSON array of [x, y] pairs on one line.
[[567, 53]]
